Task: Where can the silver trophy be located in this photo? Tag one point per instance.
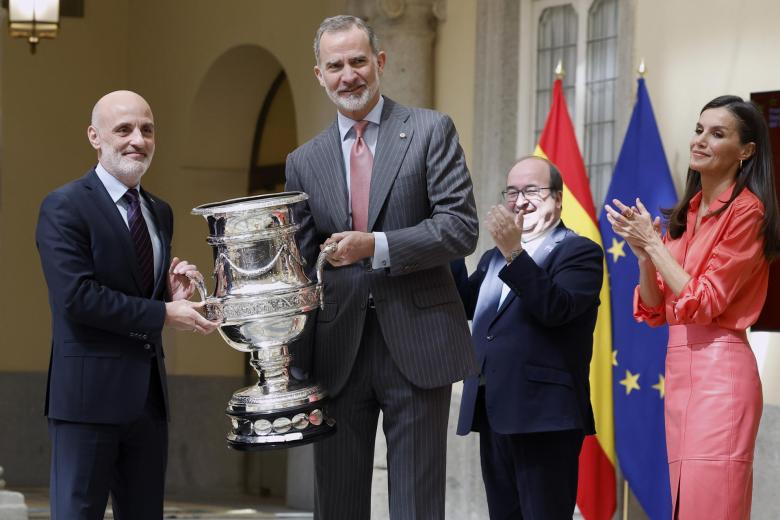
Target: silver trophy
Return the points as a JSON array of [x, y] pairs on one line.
[[262, 299]]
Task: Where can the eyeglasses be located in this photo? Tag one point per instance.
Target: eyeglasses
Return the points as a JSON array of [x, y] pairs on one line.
[[528, 193]]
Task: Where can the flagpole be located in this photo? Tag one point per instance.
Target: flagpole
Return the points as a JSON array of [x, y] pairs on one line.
[[641, 69], [625, 499]]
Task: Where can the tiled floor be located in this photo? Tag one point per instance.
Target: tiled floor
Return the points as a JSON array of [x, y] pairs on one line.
[[245, 508]]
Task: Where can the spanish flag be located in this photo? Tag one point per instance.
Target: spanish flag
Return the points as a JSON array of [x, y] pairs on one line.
[[558, 143]]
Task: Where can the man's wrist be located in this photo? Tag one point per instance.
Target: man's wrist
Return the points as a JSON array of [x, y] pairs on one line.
[[512, 255]]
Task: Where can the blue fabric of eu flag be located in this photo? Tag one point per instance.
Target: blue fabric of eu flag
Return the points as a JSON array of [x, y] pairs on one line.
[[639, 351]]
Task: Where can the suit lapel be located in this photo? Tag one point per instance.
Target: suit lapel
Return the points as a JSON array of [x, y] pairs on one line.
[[390, 151], [541, 256], [107, 208], [489, 294], [332, 177]]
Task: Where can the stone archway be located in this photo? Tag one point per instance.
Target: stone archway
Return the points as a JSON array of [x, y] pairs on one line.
[[239, 92], [224, 115]]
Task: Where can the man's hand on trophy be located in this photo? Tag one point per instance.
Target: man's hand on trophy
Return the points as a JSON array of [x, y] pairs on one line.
[[180, 286], [186, 315], [353, 246]]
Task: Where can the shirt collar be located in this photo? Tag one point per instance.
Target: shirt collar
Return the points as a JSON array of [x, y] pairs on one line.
[[374, 116], [114, 186], [715, 205]]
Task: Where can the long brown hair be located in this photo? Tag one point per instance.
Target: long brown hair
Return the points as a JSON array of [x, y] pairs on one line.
[[756, 174]]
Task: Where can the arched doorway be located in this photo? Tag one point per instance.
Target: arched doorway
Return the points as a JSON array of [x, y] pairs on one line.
[[242, 123], [242, 126], [275, 137]]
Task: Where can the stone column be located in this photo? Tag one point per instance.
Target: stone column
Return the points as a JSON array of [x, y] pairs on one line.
[[407, 32], [495, 105]]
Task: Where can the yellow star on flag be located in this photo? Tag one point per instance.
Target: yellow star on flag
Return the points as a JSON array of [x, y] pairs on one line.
[[631, 382], [660, 385], [617, 249], [614, 358]]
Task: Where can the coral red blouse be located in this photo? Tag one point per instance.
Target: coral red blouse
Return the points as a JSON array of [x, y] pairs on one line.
[[725, 258]]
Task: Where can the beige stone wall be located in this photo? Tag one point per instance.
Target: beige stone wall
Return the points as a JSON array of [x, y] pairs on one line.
[[46, 103], [697, 50], [454, 63]]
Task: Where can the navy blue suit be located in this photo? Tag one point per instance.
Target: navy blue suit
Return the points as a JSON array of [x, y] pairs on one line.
[[534, 354], [106, 396]]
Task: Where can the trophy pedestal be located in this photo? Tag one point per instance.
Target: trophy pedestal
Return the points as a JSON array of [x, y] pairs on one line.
[[263, 420]]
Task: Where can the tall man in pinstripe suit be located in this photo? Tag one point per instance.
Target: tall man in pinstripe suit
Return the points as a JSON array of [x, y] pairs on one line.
[[393, 334]]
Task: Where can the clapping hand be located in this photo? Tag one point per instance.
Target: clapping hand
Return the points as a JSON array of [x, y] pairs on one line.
[[506, 227], [635, 225]]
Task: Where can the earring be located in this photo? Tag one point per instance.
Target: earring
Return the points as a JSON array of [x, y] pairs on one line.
[[740, 164]]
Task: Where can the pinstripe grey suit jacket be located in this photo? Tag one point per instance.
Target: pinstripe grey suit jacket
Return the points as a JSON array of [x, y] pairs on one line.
[[421, 197]]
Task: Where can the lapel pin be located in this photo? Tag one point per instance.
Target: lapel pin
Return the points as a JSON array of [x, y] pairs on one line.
[[402, 135]]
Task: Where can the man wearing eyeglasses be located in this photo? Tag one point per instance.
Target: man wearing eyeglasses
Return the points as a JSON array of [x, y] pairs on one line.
[[533, 301]]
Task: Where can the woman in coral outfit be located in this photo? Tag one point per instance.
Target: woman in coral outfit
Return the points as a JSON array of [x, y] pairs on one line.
[[707, 278]]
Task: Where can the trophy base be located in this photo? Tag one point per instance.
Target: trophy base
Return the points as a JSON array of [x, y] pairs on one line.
[[258, 422]]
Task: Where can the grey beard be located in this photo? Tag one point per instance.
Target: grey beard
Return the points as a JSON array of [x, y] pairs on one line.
[[127, 172], [350, 103]]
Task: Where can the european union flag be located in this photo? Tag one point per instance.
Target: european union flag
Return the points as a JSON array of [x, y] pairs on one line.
[[639, 351]]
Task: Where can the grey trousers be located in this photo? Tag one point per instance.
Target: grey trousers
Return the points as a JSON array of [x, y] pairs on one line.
[[415, 426]]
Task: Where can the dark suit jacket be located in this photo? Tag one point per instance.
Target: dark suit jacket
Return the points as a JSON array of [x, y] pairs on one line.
[[535, 351], [105, 334], [421, 197]]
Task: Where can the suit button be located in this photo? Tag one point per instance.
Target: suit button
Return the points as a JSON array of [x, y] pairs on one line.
[[147, 347], [144, 336], [490, 338]]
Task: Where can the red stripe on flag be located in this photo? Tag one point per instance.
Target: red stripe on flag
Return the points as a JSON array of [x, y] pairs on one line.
[[558, 140], [596, 489]]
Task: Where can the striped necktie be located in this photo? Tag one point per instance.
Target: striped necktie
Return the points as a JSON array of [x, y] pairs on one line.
[[139, 233]]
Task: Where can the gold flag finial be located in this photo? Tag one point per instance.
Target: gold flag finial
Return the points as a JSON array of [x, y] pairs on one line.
[[642, 69], [559, 72]]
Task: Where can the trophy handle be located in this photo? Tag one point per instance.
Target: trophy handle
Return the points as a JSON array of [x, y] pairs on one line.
[[326, 251], [197, 278], [213, 309]]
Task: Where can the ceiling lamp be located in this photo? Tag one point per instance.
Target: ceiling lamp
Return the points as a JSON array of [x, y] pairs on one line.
[[33, 20]]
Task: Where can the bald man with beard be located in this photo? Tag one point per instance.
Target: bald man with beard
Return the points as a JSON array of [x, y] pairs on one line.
[[104, 244]]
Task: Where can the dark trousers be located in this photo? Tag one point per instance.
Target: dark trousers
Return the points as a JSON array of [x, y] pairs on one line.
[[89, 461], [415, 426], [528, 476]]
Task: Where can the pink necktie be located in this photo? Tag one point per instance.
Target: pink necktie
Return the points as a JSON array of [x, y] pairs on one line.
[[360, 163]]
